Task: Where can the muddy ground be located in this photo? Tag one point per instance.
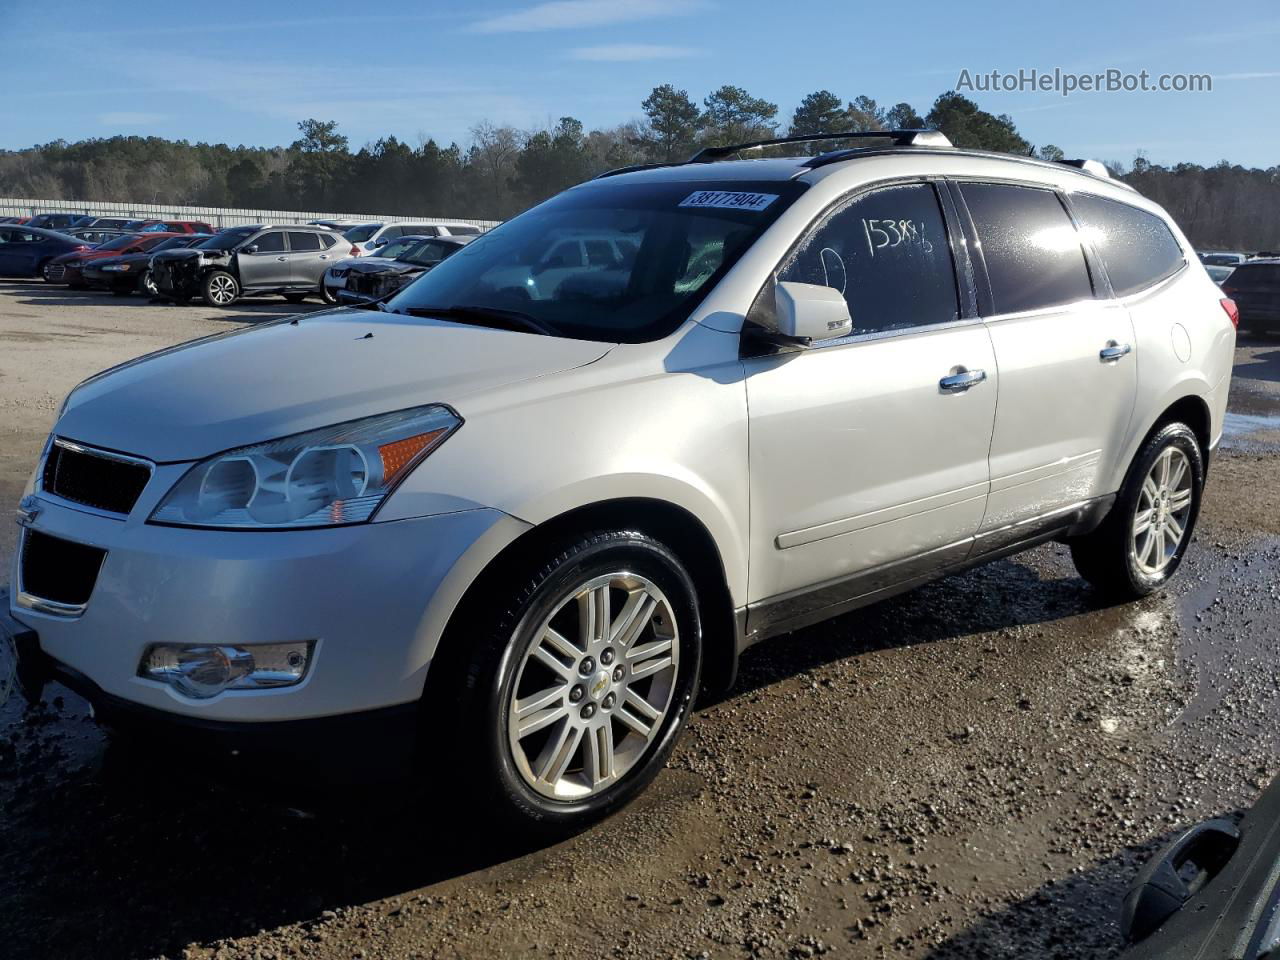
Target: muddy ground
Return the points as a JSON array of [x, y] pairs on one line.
[[975, 769]]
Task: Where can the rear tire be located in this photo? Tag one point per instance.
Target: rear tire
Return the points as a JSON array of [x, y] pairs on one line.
[[1141, 543], [327, 295], [220, 289], [560, 715]]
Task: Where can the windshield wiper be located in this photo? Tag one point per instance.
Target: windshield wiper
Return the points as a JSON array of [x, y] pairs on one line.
[[507, 319]]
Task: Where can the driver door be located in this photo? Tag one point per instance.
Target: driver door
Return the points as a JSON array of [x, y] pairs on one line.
[[268, 266], [868, 453]]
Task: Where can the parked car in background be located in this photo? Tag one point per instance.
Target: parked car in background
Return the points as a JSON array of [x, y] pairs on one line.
[[342, 226], [395, 265], [131, 272], [103, 223], [1255, 287], [14, 219], [26, 250], [176, 226], [66, 268], [96, 236], [257, 259], [520, 530], [369, 236], [1221, 258], [55, 221], [1213, 893], [1218, 273], [378, 277]]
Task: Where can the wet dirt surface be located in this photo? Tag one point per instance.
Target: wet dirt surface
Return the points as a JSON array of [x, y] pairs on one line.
[[974, 769]]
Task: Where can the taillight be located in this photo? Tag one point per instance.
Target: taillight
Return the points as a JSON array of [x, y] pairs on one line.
[[1233, 312], [353, 252]]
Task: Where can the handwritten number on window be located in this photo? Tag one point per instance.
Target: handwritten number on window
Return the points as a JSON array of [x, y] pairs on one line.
[[888, 234]]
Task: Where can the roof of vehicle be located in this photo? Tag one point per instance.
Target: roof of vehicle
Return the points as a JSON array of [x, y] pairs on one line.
[[714, 163]]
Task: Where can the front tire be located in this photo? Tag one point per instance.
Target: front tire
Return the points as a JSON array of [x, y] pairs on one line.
[[327, 294], [573, 693], [1141, 543], [220, 289]]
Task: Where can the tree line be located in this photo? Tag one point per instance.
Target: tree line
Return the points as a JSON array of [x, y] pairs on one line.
[[501, 169]]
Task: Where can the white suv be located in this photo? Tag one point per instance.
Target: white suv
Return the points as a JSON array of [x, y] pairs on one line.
[[368, 237], [520, 527]]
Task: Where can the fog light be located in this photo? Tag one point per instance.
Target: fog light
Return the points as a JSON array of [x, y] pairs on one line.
[[201, 671]]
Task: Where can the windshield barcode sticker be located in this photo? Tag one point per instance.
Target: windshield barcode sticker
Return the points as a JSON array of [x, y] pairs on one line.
[[728, 200]]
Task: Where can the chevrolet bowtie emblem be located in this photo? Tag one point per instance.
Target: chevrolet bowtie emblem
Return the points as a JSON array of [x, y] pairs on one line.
[[28, 510]]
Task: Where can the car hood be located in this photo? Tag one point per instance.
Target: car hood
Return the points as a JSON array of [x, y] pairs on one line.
[[366, 263], [383, 265], [281, 378]]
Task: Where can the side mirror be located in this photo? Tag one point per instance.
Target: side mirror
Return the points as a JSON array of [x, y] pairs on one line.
[[810, 312], [251, 248], [1176, 874]]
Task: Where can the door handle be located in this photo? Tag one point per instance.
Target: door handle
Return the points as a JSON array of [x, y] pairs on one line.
[[962, 381], [282, 259], [1113, 351], [324, 256]]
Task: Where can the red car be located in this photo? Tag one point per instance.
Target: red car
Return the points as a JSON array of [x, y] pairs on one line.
[[66, 268]]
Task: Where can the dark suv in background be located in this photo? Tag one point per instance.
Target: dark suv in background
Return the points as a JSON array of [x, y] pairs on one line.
[[256, 259], [1255, 287]]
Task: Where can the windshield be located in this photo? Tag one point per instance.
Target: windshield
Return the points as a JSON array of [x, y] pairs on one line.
[[612, 261], [361, 234], [397, 248], [425, 253], [227, 239]]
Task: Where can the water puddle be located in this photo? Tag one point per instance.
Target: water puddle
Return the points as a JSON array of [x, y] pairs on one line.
[[1250, 430]]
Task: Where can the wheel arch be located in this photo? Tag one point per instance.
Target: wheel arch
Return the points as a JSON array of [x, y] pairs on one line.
[[1186, 403], [674, 525]]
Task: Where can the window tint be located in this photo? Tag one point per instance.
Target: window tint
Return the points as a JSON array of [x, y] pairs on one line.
[[303, 241], [270, 242], [887, 252], [1032, 249], [420, 230], [1137, 247], [328, 238], [464, 230]]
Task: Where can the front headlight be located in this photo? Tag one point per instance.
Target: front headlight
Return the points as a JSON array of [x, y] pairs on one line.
[[116, 268], [336, 475]]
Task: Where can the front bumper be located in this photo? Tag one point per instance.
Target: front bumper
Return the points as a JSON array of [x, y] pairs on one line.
[[176, 278], [363, 593]]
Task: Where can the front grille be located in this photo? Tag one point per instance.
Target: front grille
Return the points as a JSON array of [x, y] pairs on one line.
[[59, 570], [55, 272], [102, 482]]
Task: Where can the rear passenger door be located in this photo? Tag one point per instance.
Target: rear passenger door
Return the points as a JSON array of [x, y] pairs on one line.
[[1065, 349], [308, 258]]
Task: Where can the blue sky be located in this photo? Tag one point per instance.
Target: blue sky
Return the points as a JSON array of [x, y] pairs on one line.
[[246, 72]]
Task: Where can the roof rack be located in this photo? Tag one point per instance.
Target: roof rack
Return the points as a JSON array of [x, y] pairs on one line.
[[1094, 167], [900, 138], [632, 168]]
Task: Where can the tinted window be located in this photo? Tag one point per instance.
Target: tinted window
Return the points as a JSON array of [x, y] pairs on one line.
[[304, 241], [887, 251], [270, 242], [1137, 247], [329, 239], [419, 230], [227, 239], [463, 230], [599, 253], [362, 233], [1033, 252]]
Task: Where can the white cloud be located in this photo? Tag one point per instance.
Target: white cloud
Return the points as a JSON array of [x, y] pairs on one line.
[[620, 52], [130, 119], [575, 14]]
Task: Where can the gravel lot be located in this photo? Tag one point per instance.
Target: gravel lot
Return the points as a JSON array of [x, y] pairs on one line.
[[975, 769]]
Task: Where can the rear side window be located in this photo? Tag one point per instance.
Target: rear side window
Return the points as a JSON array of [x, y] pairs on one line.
[[464, 230], [1251, 276], [1137, 247], [303, 241], [887, 252], [1033, 253]]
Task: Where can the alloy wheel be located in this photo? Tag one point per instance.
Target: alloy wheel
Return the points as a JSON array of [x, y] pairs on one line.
[[222, 290], [1163, 511], [594, 686]]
